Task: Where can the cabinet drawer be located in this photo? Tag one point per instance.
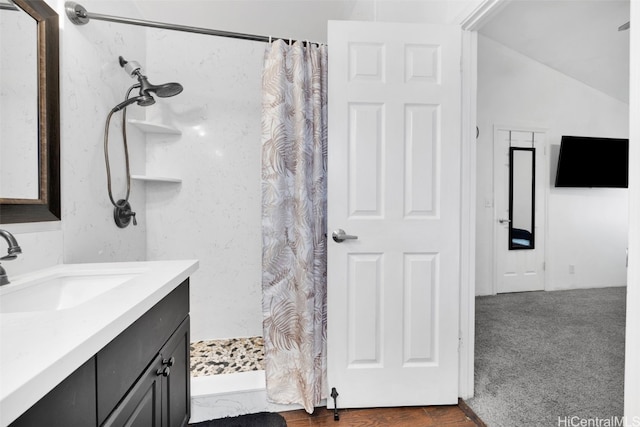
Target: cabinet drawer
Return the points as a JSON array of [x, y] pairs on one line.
[[121, 362]]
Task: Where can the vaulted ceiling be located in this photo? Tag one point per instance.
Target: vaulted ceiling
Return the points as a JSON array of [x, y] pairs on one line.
[[579, 38]]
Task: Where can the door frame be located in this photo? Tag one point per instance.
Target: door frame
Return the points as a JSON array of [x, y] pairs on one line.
[[471, 21], [632, 342], [468, 215], [544, 181]]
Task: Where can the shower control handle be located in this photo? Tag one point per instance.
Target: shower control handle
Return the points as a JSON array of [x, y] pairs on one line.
[[340, 236], [123, 215]]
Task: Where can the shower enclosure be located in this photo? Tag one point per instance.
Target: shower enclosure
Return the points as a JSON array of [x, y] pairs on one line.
[[214, 215]]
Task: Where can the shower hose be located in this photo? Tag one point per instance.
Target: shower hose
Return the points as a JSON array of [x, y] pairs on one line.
[[124, 201]]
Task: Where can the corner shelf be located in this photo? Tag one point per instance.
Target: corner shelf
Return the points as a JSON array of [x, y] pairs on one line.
[[159, 179], [151, 127]]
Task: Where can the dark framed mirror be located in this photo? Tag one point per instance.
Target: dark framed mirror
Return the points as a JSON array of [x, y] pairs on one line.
[[522, 200], [45, 206]]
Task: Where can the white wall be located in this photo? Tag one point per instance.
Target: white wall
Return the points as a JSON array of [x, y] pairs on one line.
[[91, 83], [427, 11], [587, 228], [215, 214], [41, 245], [300, 20]]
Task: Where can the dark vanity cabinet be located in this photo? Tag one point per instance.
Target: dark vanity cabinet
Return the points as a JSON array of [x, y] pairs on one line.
[[71, 403], [144, 372], [160, 396], [141, 378]]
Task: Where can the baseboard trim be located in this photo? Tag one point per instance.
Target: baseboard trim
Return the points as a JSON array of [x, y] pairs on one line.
[[469, 413]]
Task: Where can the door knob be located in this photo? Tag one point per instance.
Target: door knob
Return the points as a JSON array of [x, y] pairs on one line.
[[340, 236], [504, 221]]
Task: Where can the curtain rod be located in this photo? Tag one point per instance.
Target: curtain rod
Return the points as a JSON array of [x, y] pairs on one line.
[[79, 16]]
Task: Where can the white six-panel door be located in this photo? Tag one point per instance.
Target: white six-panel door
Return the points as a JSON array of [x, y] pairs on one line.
[[394, 182], [518, 270]]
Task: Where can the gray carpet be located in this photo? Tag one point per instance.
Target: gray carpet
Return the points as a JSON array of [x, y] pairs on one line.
[[543, 357]]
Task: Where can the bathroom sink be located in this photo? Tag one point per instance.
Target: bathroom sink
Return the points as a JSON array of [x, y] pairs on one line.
[[60, 290]]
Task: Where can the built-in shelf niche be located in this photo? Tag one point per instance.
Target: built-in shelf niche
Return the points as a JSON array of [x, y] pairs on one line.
[[151, 128]]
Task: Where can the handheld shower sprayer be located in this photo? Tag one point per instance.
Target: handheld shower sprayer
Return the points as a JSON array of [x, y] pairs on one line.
[[146, 88], [144, 99], [122, 213]]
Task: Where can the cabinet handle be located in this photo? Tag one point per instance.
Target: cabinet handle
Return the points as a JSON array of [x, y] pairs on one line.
[[164, 371], [169, 362]]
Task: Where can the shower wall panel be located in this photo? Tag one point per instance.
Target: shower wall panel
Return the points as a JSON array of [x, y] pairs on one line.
[[214, 215], [91, 83]]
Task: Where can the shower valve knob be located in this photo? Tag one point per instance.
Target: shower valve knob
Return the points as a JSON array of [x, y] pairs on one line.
[[123, 214]]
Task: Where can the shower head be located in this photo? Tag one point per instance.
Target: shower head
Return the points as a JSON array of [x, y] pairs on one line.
[[163, 91], [146, 88], [168, 89]]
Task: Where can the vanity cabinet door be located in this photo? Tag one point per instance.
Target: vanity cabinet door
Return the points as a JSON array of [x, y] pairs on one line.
[[142, 406], [160, 398], [176, 406], [121, 362]]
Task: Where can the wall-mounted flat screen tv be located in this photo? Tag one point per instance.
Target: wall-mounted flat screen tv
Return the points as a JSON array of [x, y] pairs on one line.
[[593, 162]]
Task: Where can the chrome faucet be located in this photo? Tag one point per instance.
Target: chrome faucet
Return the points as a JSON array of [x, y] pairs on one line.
[[12, 253]]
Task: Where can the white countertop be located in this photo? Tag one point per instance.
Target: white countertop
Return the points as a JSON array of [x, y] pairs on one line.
[[41, 348]]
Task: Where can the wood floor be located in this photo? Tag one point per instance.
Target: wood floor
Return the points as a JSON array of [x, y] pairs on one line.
[[429, 416]]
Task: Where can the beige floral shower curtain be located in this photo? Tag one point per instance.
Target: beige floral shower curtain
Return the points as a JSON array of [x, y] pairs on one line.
[[294, 200]]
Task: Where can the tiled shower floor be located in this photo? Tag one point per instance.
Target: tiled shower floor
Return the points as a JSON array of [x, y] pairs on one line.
[[227, 356]]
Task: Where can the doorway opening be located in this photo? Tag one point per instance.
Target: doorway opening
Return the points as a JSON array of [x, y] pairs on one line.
[[587, 228]]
